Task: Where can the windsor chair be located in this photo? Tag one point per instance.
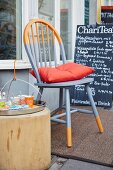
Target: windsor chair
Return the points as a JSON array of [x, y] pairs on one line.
[[40, 38]]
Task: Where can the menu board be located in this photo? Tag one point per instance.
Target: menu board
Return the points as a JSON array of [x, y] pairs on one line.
[[94, 48], [106, 14]]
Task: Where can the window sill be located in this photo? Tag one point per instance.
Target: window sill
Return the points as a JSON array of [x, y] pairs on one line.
[[9, 65], [20, 64]]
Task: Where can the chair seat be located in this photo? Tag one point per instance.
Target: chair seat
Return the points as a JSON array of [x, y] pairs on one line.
[[66, 84]]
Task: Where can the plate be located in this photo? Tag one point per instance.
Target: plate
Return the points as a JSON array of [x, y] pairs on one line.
[[36, 108]]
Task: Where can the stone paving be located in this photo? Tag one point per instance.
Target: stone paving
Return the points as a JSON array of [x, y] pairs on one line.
[[59, 163]]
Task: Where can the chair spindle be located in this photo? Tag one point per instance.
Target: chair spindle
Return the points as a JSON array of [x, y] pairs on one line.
[[48, 46], [43, 45], [39, 47], [54, 48]]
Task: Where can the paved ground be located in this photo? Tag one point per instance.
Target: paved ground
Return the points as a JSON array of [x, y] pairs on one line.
[[69, 164]]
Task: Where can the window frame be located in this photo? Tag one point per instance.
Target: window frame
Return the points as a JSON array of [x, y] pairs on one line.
[[21, 63], [29, 11]]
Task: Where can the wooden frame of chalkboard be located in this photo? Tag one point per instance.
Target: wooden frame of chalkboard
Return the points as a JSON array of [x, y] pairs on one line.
[[106, 14], [94, 48]]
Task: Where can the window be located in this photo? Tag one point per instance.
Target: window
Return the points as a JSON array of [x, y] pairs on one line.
[[59, 14], [102, 3], [10, 29]]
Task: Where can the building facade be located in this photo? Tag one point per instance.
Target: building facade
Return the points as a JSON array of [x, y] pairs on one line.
[[65, 15]]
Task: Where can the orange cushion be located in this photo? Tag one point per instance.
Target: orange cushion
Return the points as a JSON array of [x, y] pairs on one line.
[[64, 72]]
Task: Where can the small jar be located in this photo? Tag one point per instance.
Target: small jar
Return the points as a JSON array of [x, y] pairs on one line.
[[15, 100], [22, 100], [29, 101], [2, 103]]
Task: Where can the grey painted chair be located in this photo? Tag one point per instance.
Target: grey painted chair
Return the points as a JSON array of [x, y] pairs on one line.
[[39, 40]]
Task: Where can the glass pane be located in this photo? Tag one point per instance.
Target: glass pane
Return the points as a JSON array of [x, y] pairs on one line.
[[112, 2], [65, 26], [46, 10], [108, 2], [9, 22]]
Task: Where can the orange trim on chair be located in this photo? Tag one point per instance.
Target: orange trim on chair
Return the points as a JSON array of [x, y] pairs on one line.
[[99, 123], [69, 137], [26, 30]]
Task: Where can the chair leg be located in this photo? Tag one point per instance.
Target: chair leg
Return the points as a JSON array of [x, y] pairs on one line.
[[60, 97], [40, 93], [98, 120], [68, 118]]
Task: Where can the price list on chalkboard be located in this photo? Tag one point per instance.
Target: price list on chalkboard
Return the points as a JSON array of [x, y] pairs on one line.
[[94, 48]]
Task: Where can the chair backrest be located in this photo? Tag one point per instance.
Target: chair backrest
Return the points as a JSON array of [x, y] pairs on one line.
[[40, 40]]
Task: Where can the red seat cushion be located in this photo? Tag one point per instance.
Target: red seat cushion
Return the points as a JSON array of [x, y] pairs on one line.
[[64, 72]]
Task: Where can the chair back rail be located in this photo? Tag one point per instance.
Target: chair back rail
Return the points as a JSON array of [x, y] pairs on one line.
[[40, 40]]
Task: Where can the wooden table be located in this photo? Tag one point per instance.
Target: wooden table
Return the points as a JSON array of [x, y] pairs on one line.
[[25, 141]]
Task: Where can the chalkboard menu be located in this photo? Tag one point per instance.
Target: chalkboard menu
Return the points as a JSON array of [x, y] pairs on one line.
[[106, 14], [94, 48]]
